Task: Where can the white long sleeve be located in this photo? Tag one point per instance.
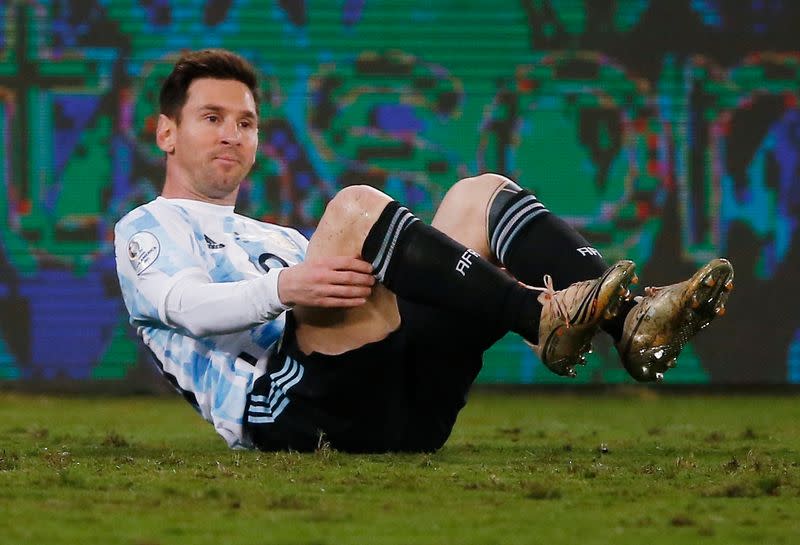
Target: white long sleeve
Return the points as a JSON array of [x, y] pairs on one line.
[[203, 307]]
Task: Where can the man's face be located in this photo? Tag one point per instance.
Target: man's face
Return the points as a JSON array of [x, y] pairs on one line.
[[213, 147]]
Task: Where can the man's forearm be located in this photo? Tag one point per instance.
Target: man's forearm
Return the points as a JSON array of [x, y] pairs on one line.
[[207, 308]]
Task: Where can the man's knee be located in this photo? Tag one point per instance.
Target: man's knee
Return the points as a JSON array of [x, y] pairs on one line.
[[477, 192], [348, 218], [468, 199], [356, 203], [480, 187]]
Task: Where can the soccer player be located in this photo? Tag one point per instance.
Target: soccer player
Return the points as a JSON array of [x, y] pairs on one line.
[[369, 335]]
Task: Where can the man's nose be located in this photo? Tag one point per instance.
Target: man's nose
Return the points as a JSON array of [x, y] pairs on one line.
[[231, 132]]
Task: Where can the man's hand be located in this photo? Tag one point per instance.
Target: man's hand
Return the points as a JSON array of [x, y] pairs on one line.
[[327, 282]]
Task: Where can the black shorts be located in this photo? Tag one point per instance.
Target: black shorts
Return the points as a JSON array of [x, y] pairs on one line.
[[402, 393]]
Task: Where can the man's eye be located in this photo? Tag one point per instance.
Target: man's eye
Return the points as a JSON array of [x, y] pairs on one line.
[[212, 118]]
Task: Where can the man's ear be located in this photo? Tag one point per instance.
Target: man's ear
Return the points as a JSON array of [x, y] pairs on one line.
[[165, 134]]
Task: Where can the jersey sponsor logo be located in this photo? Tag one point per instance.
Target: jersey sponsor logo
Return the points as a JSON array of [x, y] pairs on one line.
[[271, 261], [211, 244], [588, 250], [143, 249]]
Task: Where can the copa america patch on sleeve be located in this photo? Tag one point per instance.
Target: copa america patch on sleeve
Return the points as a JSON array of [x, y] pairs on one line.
[[143, 249]]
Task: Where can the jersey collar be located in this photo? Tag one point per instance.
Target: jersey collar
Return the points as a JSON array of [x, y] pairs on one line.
[[200, 206]]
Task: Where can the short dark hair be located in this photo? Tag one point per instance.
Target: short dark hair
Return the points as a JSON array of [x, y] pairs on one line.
[[205, 63]]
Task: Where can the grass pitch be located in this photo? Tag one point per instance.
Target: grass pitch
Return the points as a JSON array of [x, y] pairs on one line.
[[520, 468]]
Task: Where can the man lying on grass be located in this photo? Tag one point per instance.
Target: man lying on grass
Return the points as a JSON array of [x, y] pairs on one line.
[[369, 335]]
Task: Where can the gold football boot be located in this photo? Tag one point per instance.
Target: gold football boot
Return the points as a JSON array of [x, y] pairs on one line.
[[664, 319], [570, 317]]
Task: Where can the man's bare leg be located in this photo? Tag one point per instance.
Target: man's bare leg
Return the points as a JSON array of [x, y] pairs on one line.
[[649, 332], [463, 212], [452, 265], [470, 215], [342, 230], [463, 217]]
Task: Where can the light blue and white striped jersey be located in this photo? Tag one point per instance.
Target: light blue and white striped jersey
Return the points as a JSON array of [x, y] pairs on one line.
[[165, 240]]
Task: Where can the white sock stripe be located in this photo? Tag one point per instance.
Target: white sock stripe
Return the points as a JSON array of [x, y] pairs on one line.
[[381, 255], [512, 217], [507, 215], [512, 223], [407, 220], [520, 220], [391, 240]]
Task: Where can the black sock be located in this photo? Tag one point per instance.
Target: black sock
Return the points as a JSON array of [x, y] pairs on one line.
[[614, 326], [423, 265], [530, 242]]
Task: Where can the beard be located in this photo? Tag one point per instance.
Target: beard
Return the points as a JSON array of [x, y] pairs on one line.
[[218, 181]]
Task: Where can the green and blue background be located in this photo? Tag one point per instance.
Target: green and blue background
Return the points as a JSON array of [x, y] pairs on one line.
[[667, 131]]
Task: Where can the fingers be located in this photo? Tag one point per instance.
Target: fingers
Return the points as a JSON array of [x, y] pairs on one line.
[[327, 282], [329, 295], [352, 279], [347, 292], [343, 271], [343, 263], [333, 302]]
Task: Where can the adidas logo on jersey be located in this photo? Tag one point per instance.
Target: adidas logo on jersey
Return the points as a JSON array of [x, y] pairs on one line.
[[213, 245]]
